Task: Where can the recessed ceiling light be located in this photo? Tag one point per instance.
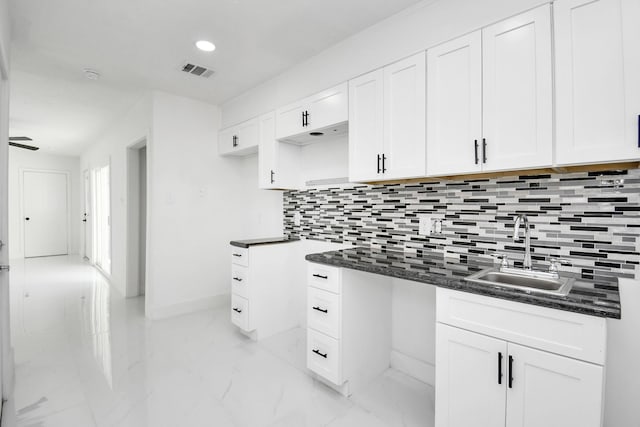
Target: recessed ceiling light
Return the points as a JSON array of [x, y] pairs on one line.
[[205, 46], [91, 74]]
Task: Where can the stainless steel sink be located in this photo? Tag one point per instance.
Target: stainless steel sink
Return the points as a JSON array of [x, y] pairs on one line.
[[526, 280]]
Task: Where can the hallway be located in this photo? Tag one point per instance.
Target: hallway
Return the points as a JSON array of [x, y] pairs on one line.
[[87, 357]]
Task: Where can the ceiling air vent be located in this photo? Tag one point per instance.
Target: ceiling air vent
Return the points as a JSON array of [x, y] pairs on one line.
[[197, 70]]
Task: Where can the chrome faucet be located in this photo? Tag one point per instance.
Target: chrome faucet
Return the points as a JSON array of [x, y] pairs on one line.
[[522, 219]]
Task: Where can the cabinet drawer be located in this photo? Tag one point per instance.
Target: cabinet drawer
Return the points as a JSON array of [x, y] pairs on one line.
[[323, 312], [240, 312], [240, 280], [324, 277], [240, 256], [324, 356], [562, 332]]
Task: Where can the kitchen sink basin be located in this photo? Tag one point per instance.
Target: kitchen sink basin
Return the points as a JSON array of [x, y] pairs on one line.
[[526, 280]]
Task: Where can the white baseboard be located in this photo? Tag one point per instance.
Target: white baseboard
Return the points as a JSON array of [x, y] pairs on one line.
[[187, 307], [416, 368]]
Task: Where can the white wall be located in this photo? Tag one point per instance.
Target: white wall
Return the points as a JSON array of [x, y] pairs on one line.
[[19, 160], [6, 352], [399, 36], [413, 314], [111, 147], [198, 202]]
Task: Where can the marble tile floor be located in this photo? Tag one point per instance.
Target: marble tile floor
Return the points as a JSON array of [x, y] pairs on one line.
[[87, 357]]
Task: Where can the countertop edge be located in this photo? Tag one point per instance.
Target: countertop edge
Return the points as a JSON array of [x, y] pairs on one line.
[[490, 292]]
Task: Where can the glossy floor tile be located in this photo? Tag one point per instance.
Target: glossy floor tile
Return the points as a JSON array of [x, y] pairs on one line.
[[87, 357]]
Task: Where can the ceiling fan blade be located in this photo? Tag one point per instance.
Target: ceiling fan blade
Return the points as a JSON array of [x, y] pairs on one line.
[[20, 138], [26, 147]]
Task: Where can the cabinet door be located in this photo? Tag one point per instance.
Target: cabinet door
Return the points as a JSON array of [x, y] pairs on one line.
[[468, 389], [328, 108], [517, 97], [553, 391], [268, 151], [454, 106], [366, 127], [248, 136], [239, 140], [597, 46], [405, 118], [289, 120]]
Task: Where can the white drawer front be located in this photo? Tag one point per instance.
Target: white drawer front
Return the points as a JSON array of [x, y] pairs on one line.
[[562, 332], [240, 256], [323, 356], [240, 312], [240, 280], [323, 312], [324, 277]]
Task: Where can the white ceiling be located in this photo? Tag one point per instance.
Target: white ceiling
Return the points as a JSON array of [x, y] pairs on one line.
[[138, 45]]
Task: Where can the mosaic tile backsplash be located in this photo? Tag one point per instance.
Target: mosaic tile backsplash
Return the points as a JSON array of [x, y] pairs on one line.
[[591, 219]]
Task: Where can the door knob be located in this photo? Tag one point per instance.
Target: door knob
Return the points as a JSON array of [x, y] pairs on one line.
[[26, 218]]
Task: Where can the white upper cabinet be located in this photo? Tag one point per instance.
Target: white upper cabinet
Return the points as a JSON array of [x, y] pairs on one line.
[[597, 46], [239, 140], [404, 118], [322, 110], [454, 106], [517, 92], [366, 98], [268, 151], [387, 122], [278, 162], [489, 98]]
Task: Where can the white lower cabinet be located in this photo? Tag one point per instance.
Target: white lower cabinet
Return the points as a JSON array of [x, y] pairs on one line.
[[551, 390], [323, 356], [264, 291], [468, 392], [348, 326], [240, 312], [492, 381]]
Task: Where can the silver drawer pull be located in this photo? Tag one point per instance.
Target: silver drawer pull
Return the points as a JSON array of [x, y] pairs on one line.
[[326, 310], [237, 310], [319, 276], [320, 354], [237, 279]]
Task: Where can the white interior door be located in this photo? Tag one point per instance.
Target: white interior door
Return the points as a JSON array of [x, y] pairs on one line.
[[86, 216], [46, 213], [6, 365], [101, 209]]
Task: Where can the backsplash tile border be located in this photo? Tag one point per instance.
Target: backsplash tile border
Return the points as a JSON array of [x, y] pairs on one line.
[[590, 218]]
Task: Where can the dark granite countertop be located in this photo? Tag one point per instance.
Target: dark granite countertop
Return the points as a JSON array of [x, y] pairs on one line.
[[594, 297], [264, 241]]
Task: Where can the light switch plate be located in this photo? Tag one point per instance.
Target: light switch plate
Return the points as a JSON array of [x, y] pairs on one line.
[[425, 225], [297, 218]]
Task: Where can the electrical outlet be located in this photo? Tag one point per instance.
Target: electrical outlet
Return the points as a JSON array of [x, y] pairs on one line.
[[297, 218], [437, 226], [425, 225]]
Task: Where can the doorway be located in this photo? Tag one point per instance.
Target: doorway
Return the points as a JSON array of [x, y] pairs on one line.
[[101, 224], [136, 218], [45, 213], [86, 215], [6, 357]]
